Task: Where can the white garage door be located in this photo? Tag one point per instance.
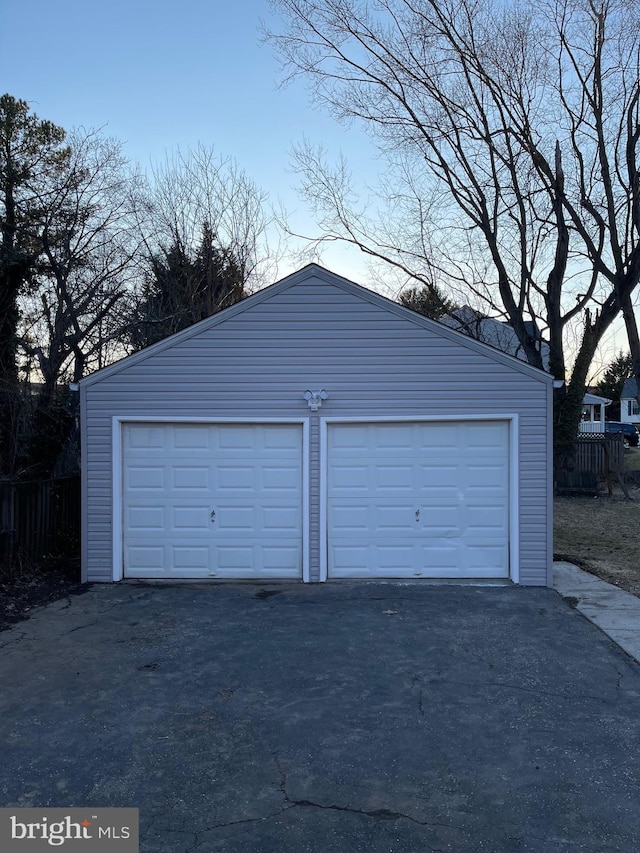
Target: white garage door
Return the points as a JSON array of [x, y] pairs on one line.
[[212, 500], [418, 500]]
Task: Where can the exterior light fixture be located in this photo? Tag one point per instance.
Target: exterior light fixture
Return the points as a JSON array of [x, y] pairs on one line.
[[314, 399]]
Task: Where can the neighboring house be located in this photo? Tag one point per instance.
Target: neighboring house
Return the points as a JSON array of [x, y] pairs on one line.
[[494, 333], [500, 334], [593, 413], [629, 409], [317, 431]]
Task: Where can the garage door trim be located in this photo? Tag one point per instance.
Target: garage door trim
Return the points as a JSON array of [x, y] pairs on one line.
[[117, 430], [514, 467]]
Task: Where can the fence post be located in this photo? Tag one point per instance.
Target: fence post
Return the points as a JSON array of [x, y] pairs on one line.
[[7, 520]]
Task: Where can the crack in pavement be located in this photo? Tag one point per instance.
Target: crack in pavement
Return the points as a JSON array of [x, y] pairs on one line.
[[415, 680], [519, 687], [283, 776], [14, 639], [378, 814], [108, 610], [242, 821], [24, 634]]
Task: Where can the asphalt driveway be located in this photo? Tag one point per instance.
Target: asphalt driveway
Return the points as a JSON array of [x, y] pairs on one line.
[[346, 717]]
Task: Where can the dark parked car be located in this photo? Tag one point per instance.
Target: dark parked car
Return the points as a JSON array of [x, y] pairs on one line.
[[629, 431]]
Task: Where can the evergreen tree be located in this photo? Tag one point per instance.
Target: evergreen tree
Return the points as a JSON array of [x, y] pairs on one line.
[[612, 383], [183, 289], [429, 301]]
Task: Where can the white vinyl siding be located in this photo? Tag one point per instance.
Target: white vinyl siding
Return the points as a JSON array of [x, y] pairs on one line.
[[316, 331]]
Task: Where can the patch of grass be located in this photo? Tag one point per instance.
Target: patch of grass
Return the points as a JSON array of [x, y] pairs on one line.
[[632, 458], [601, 535]]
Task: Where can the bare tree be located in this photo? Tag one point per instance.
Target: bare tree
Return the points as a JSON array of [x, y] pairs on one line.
[[88, 243], [198, 190], [510, 133]]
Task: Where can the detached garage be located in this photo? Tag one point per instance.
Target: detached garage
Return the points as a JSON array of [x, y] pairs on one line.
[[317, 431]]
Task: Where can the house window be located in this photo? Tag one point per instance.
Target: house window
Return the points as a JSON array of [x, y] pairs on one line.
[[633, 408], [591, 413]]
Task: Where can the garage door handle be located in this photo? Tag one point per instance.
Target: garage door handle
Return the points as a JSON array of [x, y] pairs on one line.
[[417, 515], [213, 516]]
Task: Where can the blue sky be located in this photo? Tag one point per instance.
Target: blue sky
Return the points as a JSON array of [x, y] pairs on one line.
[[160, 75]]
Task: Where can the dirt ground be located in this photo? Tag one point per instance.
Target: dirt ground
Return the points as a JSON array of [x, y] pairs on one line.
[[31, 586], [601, 536]]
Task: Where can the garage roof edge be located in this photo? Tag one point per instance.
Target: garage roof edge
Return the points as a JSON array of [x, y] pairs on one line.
[[207, 323], [437, 328], [309, 271]]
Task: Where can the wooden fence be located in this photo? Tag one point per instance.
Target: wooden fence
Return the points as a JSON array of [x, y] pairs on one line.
[[591, 457], [39, 519], [599, 453]]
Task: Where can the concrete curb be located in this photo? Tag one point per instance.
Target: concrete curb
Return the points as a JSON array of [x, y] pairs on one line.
[[613, 610]]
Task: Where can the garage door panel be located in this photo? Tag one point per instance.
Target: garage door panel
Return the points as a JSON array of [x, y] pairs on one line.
[[486, 476], [373, 517], [349, 477], [194, 558], [353, 558], [480, 437], [396, 557], [281, 479], [392, 437], [281, 560], [286, 437], [232, 519], [230, 480], [432, 477], [391, 518], [145, 477], [187, 437], [432, 438], [351, 519], [190, 478], [143, 518], [486, 557], [393, 478], [230, 438], [438, 557], [411, 512], [190, 518], [144, 437], [279, 519], [212, 500], [342, 438], [143, 558], [485, 517]]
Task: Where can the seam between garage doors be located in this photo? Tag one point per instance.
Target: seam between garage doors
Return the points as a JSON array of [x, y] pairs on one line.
[[117, 503], [514, 469]]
